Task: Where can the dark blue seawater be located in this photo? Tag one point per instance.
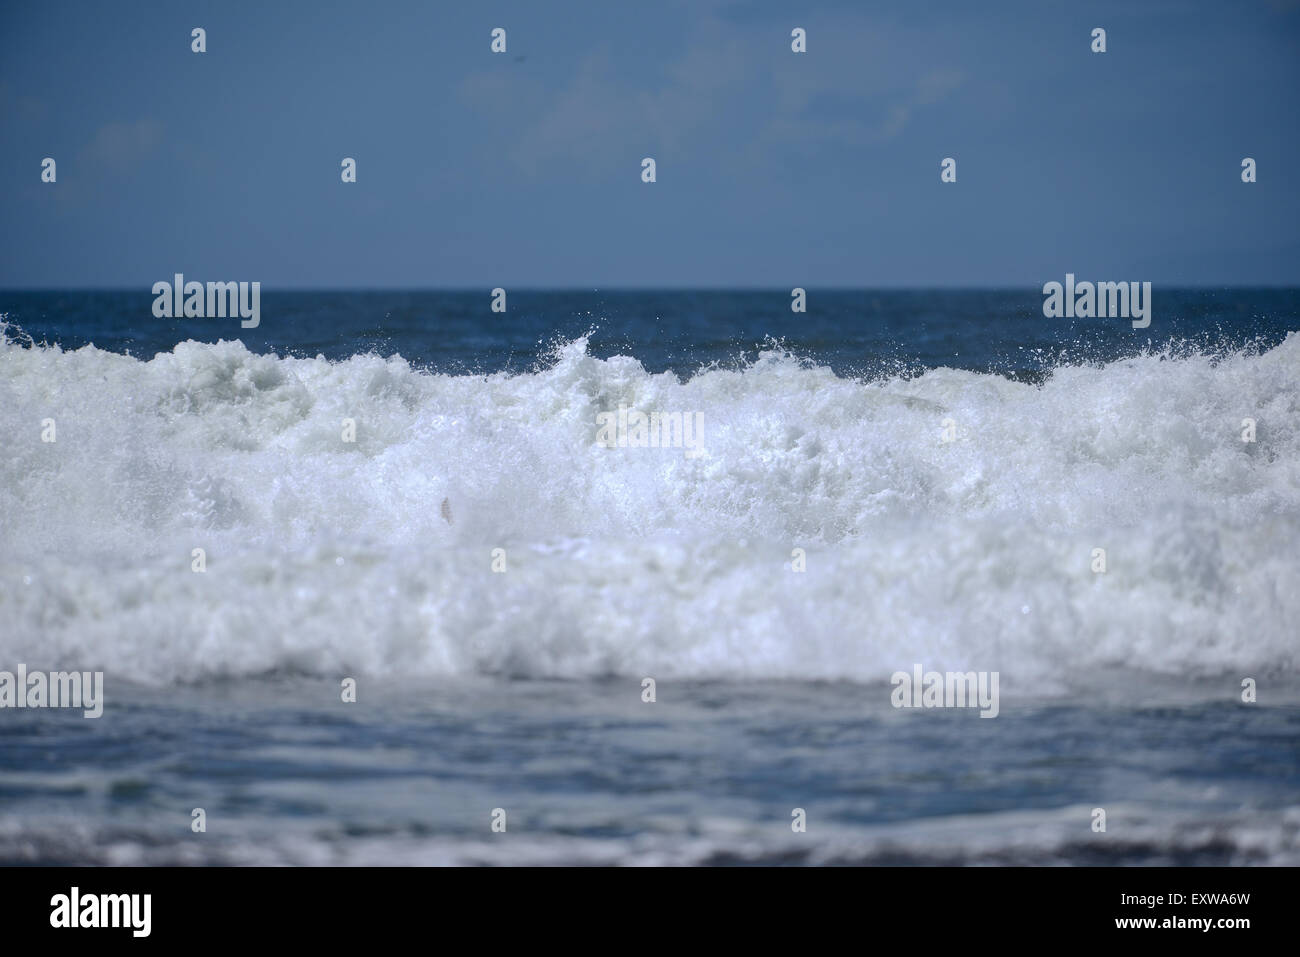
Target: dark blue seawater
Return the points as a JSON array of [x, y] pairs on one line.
[[856, 332], [893, 479]]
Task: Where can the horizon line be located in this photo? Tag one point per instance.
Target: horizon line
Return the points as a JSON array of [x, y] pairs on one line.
[[477, 289]]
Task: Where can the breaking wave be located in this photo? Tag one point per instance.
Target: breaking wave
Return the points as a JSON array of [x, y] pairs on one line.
[[326, 556]]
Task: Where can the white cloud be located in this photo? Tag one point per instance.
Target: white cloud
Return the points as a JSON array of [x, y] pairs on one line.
[[120, 147]]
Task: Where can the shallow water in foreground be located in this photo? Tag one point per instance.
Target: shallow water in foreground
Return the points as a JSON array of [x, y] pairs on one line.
[[708, 774]]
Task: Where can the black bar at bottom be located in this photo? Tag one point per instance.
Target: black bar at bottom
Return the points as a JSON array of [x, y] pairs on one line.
[[944, 906]]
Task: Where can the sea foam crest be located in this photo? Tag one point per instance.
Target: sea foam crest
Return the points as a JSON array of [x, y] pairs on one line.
[[335, 557]]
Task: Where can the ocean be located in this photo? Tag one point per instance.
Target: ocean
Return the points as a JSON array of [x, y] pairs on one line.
[[409, 493]]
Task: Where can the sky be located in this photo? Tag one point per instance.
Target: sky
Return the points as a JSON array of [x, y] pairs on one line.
[[774, 168]]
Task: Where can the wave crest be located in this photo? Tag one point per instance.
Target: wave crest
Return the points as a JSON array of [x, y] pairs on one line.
[[332, 556]]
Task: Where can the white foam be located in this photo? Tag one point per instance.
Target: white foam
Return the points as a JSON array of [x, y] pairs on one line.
[[972, 555]]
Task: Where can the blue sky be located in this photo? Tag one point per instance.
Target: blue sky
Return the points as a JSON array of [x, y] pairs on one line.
[[774, 169]]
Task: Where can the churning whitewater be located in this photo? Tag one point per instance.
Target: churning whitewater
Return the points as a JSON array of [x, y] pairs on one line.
[[326, 556]]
